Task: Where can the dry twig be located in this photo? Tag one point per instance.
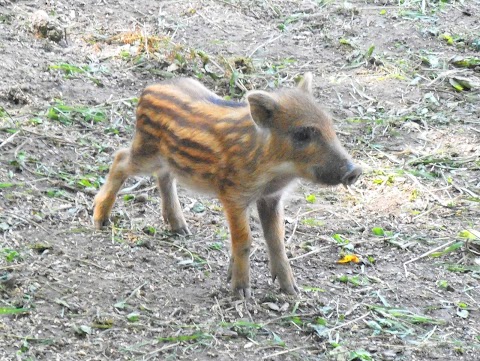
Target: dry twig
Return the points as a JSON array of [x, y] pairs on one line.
[[426, 254]]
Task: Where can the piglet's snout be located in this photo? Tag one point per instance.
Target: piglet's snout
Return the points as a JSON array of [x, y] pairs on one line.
[[352, 174]]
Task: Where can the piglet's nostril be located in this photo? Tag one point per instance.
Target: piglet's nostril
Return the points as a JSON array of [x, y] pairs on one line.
[[352, 175]]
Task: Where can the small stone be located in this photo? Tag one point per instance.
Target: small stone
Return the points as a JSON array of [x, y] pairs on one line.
[[45, 27], [141, 198]]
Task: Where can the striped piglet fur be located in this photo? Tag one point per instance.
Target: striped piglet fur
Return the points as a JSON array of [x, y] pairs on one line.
[[241, 152]]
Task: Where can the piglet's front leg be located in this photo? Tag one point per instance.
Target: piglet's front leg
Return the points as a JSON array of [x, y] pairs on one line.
[[270, 210], [239, 270]]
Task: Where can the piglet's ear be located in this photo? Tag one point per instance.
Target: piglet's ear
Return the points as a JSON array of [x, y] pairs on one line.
[[306, 83], [262, 107]]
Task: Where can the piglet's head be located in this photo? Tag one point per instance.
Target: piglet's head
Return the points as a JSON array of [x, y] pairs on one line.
[[303, 135]]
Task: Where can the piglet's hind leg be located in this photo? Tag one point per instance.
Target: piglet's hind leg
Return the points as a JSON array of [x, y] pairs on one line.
[[171, 208]]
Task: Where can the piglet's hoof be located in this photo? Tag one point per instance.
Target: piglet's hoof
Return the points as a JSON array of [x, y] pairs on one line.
[[100, 223], [290, 289], [242, 293], [184, 231]]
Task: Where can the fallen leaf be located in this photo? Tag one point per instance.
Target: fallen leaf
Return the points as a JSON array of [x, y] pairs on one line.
[[349, 258], [462, 83], [456, 85], [198, 208], [172, 68], [82, 330], [271, 305], [465, 62]]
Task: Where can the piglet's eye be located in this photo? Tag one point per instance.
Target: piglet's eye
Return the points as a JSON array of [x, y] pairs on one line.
[[303, 136]]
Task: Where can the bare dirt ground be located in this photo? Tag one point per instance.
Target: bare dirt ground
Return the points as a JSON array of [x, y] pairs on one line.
[[401, 79]]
